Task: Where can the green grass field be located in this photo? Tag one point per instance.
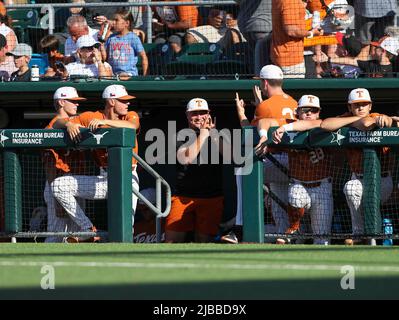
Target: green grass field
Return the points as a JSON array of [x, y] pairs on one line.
[[193, 271]]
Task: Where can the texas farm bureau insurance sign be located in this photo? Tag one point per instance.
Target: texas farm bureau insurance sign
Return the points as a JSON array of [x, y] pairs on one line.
[[353, 136], [28, 137]]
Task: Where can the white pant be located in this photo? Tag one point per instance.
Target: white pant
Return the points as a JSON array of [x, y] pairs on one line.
[[67, 189], [353, 190], [278, 185], [55, 223], [318, 201]]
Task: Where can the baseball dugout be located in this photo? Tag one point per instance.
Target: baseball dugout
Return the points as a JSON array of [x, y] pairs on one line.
[[346, 190], [23, 212]]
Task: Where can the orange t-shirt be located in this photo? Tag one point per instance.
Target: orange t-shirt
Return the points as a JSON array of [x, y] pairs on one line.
[[188, 13], [355, 155], [65, 160], [101, 155], [3, 10], [310, 165], [287, 51], [278, 107], [316, 5]]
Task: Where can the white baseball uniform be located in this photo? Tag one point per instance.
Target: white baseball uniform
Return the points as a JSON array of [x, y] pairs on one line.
[[353, 190], [311, 189], [68, 189]]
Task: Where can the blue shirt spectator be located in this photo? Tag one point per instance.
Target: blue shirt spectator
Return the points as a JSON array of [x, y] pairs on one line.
[[122, 53]]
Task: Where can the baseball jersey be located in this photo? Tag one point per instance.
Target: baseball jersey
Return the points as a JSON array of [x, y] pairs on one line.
[[101, 155], [65, 160], [355, 155], [279, 107], [310, 165]]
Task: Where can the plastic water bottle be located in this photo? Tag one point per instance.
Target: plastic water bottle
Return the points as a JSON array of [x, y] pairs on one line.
[[316, 20], [388, 231], [34, 73]]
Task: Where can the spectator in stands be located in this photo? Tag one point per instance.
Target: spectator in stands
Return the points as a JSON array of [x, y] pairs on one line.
[[197, 205], [145, 220], [371, 19], [170, 20], [386, 50], [175, 43], [361, 118], [61, 162], [255, 22], [90, 60], [289, 29], [77, 27], [8, 32], [49, 44], [22, 54], [7, 65], [221, 28], [67, 189], [123, 47]]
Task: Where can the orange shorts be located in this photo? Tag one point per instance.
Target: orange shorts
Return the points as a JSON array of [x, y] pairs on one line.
[[201, 215]]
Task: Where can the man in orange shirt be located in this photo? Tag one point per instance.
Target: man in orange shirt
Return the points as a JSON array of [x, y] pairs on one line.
[[68, 188], [310, 184], [60, 162], [289, 29], [278, 107], [359, 116]]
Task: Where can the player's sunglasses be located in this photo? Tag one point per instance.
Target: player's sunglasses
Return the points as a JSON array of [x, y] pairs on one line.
[[72, 101], [309, 109]]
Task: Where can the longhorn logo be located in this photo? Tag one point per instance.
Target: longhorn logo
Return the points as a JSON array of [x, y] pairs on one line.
[[98, 137], [3, 138], [292, 135]]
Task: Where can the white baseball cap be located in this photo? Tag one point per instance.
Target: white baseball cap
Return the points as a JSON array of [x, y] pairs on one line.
[[197, 104], [116, 91], [359, 95], [86, 41], [67, 93], [391, 45], [271, 71], [309, 101], [21, 49]]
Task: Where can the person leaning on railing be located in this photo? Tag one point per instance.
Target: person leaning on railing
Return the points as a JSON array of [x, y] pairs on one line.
[[360, 117]]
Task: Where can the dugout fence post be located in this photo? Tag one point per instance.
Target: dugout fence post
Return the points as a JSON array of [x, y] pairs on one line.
[[252, 193], [12, 192], [371, 199], [120, 225]]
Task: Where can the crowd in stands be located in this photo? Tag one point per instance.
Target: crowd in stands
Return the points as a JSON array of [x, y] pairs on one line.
[[306, 38]]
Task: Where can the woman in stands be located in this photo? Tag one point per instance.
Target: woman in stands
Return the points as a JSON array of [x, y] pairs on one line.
[[124, 47]]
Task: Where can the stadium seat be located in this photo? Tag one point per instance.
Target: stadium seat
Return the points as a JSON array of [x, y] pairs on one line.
[[22, 19], [41, 60], [158, 57], [194, 59]]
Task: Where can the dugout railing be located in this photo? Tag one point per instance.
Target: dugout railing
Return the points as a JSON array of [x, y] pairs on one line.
[[18, 143], [254, 191]]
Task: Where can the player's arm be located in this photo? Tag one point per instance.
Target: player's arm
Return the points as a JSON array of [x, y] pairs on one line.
[[188, 154], [263, 129], [240, 106], [395, 121], [365, 124], [332, 124], [300, 125], [72, 127], [345, 60]]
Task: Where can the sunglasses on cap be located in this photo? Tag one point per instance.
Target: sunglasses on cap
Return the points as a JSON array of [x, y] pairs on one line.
[[307, 109]]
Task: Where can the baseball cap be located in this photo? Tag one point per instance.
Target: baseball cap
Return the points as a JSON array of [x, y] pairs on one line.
[[270, 72], [309, 101], [3, 41], [67, 93], [359, 95], [21, 49], [86, 41], [197, 104], [174, 39], [389, 44], [116, 91]]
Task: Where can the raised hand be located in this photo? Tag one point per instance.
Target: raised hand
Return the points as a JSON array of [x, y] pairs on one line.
[[257, 96]]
